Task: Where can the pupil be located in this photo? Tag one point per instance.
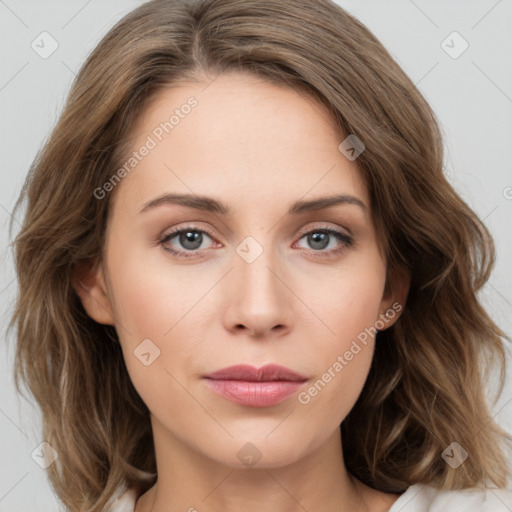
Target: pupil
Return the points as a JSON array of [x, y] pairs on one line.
[[319, 238], [191, 237]]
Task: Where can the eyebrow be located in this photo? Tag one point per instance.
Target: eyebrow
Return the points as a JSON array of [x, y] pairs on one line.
[[212, 205]]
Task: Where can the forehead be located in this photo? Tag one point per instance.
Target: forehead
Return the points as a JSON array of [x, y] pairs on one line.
[[241, 138]]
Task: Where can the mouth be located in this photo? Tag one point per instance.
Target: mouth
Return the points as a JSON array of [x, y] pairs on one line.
[[255, 387]]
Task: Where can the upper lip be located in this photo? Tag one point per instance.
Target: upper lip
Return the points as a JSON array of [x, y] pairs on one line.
[[267, 373]]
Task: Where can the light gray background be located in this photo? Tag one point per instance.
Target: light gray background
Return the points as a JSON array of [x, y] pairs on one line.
[[471, 96]]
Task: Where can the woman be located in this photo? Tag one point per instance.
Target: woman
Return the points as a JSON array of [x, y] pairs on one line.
[[245, 283]]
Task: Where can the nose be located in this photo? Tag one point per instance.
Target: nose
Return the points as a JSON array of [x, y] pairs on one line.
[[260, 300]]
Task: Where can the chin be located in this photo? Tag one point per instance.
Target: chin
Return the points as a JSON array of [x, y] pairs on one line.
[[263, 451]]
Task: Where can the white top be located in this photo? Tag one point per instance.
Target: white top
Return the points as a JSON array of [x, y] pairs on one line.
[[417, 498]]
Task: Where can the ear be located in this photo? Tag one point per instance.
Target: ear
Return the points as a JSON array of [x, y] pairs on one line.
[[394, 298], [89, 283]]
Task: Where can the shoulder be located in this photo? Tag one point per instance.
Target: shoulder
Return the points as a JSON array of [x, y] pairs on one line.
[[424, 498], [123, 501], [417, 498]]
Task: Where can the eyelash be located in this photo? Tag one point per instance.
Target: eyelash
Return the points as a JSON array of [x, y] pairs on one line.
[[346, 240]]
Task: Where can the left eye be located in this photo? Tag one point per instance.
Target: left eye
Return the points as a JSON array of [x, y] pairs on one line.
[[191, 239], [320, 238]]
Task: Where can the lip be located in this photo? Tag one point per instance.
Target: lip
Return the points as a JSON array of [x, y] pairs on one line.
[[255, 387]]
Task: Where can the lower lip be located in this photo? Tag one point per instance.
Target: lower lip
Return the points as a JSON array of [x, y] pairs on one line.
[[255, 394]]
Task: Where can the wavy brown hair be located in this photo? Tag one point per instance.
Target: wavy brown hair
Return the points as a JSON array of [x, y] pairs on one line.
[[426, 386]]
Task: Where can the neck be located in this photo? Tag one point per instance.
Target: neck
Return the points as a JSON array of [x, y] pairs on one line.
[[189, 481]]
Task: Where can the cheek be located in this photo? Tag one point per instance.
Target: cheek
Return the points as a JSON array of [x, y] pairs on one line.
[[157, 301], [341, 367], [150, 297], [349, 300], [344, 353]]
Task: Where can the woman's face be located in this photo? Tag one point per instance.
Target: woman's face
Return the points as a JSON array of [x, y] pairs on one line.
[[265, 276]]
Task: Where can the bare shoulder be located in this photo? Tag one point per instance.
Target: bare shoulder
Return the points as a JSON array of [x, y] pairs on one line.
[[377, 501], [383, 501]]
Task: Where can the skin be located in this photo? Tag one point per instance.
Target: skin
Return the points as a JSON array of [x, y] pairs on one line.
[[257, 147]]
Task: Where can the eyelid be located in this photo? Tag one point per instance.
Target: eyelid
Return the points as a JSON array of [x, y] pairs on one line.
[[304, 231], [324, 226]]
